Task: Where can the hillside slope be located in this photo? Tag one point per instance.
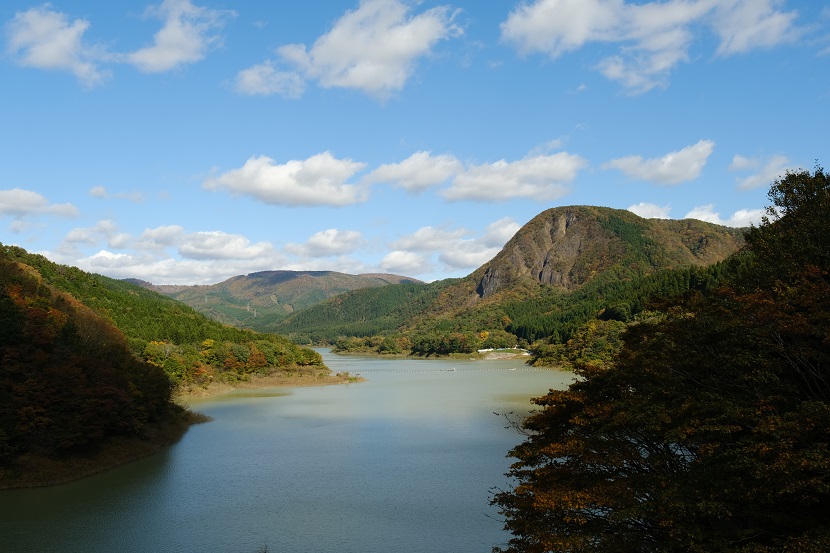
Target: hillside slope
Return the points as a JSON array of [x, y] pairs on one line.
[[565, 266], [259, 300], [69, 387], [566, 247], [192, 348]]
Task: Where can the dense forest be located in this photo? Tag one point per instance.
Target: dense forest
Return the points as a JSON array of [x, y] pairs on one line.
[[68, 382], [708, 427], [87, 361], [192, 349], [401, 319], [562, 274]]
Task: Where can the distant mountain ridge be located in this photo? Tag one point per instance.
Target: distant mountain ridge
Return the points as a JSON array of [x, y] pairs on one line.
[[565, 266], [259, 300]]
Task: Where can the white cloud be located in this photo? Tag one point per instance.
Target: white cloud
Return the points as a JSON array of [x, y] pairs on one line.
[[264, 79], [20, 203], [749, 24], [499, 232], [105, 230], [186, 36], [739, 163], [456, 249], [318, 180], [168, 270], [43, 38], [650, 211], [773, 169], [167, 254], [559, 26], [418, 172], [673, 168], [160, 237], [741, 218], [427, 239], [373, 48], [221, 245], [652, 37], [468, 255], [544, 177], [327, 243], [405, 263]]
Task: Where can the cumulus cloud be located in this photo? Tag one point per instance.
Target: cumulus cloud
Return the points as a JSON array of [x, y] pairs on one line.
[[770, 170], [544, 177], [741, 218], [188, 32], [374, 48], [427, 239], [318, 180], [221, 245], [166, 254], [467, 256], [327, 243], [160, 237], [264, 80], [46, 39], [650, 211], [746, 25], [652, 37], [673, 168], [456, 249], [405, 263], [103, 231], [418, 172], [167, 270], [18, 202], [499, 232]]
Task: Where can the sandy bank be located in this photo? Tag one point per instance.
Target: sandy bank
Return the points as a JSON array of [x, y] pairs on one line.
[[280, 379]]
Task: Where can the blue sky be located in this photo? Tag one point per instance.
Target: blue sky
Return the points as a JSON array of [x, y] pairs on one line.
[[188, 141]]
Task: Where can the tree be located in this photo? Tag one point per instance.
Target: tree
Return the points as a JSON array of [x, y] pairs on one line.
[[795, 230], [710, 431]]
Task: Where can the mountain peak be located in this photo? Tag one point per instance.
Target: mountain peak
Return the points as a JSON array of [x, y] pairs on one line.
[[567, 246]]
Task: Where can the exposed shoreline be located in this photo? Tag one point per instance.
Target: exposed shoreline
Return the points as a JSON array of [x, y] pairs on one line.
[[279, 379]]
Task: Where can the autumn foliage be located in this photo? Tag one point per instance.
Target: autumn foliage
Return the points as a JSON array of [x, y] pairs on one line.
[[67, 379], [710, 430]]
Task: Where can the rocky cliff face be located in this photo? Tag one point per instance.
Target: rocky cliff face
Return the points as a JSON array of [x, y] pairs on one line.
[[567, 246]]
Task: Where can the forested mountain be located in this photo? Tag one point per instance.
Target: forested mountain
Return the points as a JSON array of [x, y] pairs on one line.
[[69, 385], [710, 429], [191, 348], [260, 300], [87, 360], [567, 266]]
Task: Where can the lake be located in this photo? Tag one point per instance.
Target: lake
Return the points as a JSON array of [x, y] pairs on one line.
[[403, 462]]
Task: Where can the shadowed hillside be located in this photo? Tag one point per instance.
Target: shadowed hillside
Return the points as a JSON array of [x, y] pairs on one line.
[[69, 387]]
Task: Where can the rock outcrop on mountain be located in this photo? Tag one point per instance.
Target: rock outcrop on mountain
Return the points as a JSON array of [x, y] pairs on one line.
[[568, 246]]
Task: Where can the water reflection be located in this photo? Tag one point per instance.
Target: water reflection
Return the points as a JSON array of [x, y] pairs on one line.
[[401, 462]]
